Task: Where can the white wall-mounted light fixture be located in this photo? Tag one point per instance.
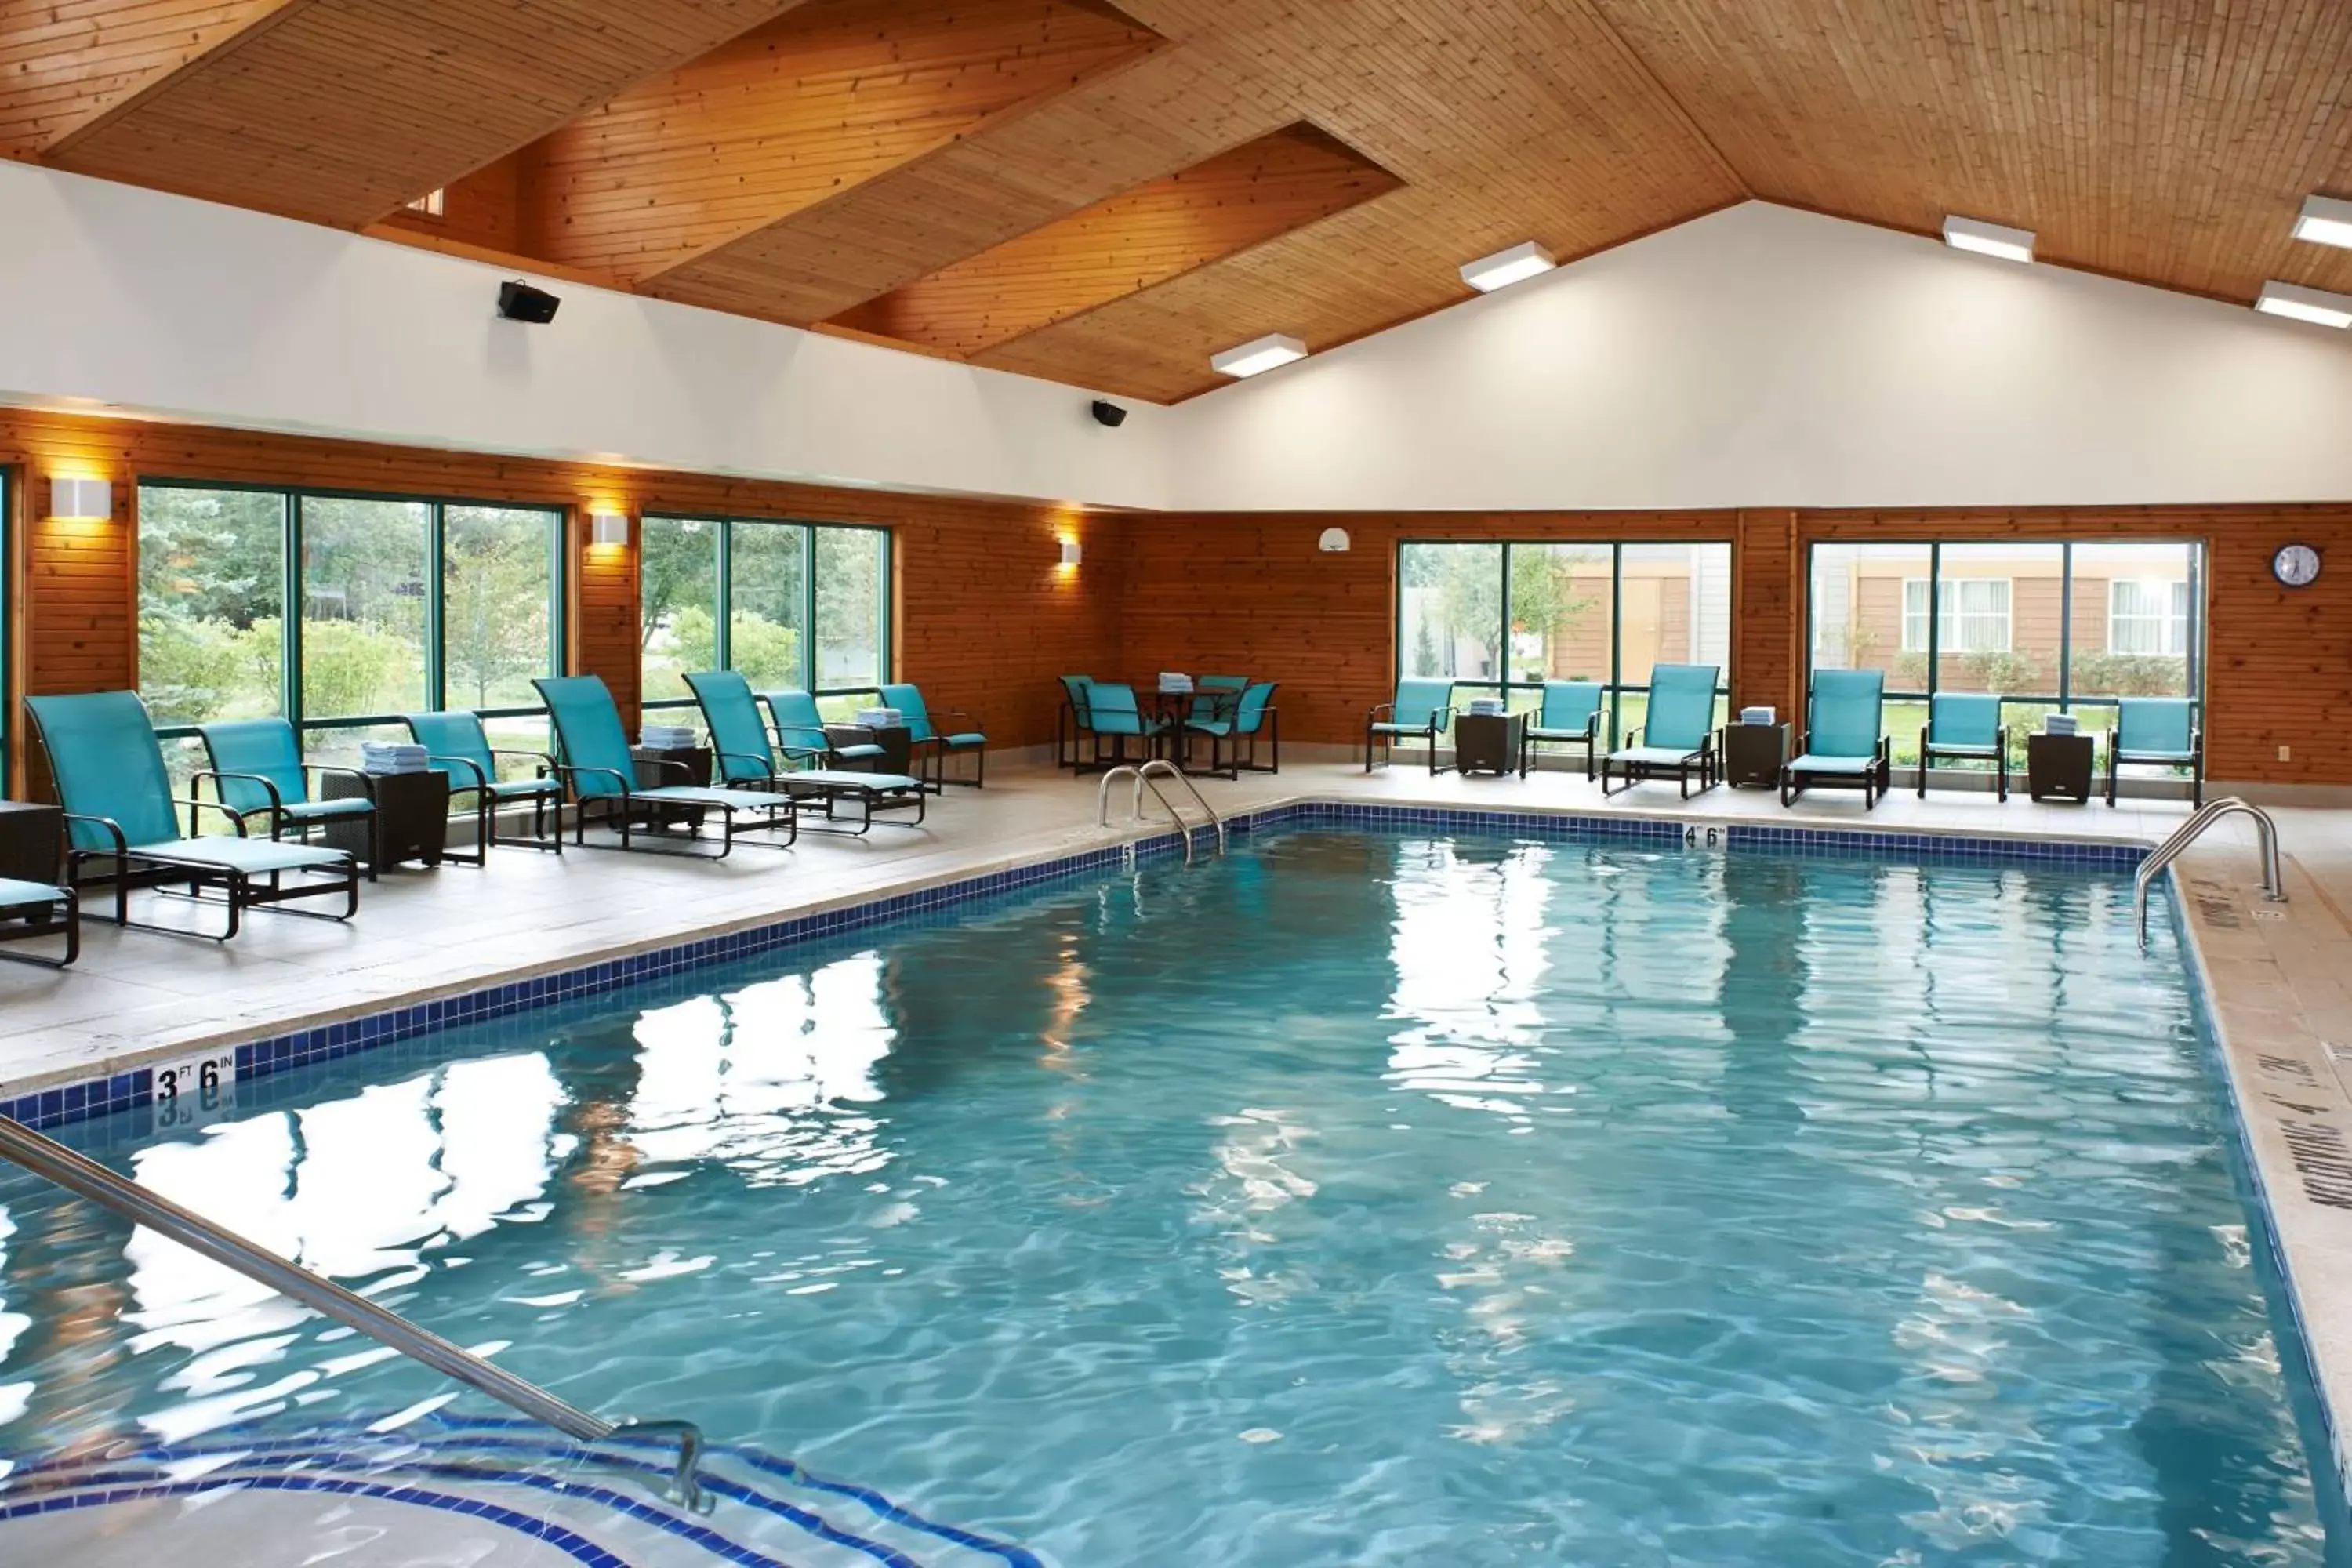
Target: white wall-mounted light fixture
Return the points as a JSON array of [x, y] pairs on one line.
[[1070, 553], [1258, 354], [2325, 221], [2317, 306], [608, 528], [1505, 267], [82, 499], [1988, 239], [1334, 542]]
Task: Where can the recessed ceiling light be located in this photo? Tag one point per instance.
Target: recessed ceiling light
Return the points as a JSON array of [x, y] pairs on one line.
[[1258, 354], [1988, 239], [2314, 305], [1505, 267], [2325, 221]]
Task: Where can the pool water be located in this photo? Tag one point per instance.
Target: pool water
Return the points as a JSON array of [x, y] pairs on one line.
[[1357, 1198]]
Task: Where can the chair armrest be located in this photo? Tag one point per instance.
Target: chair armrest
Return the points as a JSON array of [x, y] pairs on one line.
[[545, 761], [767, 764], [1634, 736], [658, 761], [1441, 719], [113, 828], [237, 817], [2000, 739], [1377, 709], [367, 781], [277, 801], [628, 782], [482, 780]]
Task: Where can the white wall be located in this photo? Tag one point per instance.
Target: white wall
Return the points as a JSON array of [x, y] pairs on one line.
[[1763, 356], [163, 305]]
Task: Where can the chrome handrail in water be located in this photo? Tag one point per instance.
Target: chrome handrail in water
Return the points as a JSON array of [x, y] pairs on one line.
[[85, 1177], [2165, 853], [1143, 777]]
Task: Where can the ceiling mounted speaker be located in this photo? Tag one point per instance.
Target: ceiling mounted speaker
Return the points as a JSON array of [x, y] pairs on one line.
[[518, 302], [1110, 414], [1334, 541]]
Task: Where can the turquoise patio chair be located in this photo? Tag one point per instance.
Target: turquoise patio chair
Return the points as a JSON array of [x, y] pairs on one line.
[[1570, 716], [1112, 713], [1070, 723], [1845, 743], [2160, 730], [593, 760], [1676, 737], [30, 909], [1252, 714], [1422, 708], [1965, 725], [802, 739], [940, 744], [258, 770], [1216, 697], [743, 756], [457, 746], [119, 809]]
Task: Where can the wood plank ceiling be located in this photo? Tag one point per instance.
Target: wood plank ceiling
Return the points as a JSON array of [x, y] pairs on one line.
[[1107, 194]]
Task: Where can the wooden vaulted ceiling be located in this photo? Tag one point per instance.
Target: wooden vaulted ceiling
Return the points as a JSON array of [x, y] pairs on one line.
[[1107, 193]]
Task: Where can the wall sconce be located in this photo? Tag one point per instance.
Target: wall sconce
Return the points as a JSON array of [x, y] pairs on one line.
[[81, 501], [1334, 541], [1070, 553], [608, 528]]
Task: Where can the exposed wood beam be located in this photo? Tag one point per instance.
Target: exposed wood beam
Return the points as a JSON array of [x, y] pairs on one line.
[[65, 64]]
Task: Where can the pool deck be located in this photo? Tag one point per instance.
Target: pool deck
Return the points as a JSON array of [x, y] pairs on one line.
[[2279, 977]]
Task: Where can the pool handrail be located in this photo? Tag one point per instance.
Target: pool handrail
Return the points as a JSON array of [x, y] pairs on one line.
[[2182, 837], [1143, 777], [85, 1177]]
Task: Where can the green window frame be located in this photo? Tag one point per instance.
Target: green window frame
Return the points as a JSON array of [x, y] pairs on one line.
[[1618, 692], [9, 577], [2018, 709], [725, 545], [435, 584]]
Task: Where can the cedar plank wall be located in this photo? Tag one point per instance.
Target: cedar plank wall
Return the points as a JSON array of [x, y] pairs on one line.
[[1251, 592], [983, 620]]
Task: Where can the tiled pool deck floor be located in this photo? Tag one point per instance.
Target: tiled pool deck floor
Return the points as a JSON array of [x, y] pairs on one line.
[[2281, 976]]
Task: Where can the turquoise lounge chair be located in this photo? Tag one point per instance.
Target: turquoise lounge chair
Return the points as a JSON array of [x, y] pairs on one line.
[[743, 757], [2160, 731], [1070, 722], [1965, 725], [456, 745], [29, 909], [937, 743], [801, 738], [1676, 737], [119, 809], [1570, 716], [258, 770], [593, 761], [1232, 731], [1422, 710], [1113, 712], [1846, 743]]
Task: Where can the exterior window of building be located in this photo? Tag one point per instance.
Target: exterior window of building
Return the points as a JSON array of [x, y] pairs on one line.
[[1974, 611], [2148, 617]]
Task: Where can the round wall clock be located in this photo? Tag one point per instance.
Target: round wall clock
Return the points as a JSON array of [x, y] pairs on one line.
[[2296, 565]]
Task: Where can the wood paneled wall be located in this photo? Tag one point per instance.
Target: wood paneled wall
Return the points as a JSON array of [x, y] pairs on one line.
[[985, 617]]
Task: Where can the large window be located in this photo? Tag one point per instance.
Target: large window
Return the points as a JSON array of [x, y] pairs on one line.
[[787, 604], [1507, 616], [2043, 625], [397, 605]]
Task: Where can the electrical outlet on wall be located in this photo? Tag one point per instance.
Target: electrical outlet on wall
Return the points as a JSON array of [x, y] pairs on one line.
[[2284, 755]]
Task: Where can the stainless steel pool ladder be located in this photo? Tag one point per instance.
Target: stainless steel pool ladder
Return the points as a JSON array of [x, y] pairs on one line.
[[84, 1177], [2187, 833], [1158, 767]]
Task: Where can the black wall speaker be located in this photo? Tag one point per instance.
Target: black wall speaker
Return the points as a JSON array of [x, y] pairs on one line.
[[518, 302], [1110, 414]]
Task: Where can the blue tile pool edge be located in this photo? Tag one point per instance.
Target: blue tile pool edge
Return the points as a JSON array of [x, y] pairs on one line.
[[58, 1105]]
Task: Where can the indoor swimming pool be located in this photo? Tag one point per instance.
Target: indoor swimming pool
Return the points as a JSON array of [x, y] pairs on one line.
[[1374, 1197]]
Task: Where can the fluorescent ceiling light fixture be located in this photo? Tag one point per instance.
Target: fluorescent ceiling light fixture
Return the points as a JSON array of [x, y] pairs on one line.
[[1258, 354], [2317, 306], [2325, 221], [1988, 239], [1505, 267]]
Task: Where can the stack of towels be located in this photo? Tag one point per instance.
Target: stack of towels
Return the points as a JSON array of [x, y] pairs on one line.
[[1486, 706], [1757, 715], [390, 757], [666, 737], [1174, 683], [880, 718], [2058, 725]]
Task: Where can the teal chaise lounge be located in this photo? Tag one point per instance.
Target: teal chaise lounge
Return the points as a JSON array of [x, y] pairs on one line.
[[1422, 710], [120, 809], [258, 770], [2160, 731], [1965, 725], [456, 744], [1570, 716], [937, 743], [1844, 743], [31, 909], [743, 757], [1676, 736], [593, 761], [1233, 729]]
